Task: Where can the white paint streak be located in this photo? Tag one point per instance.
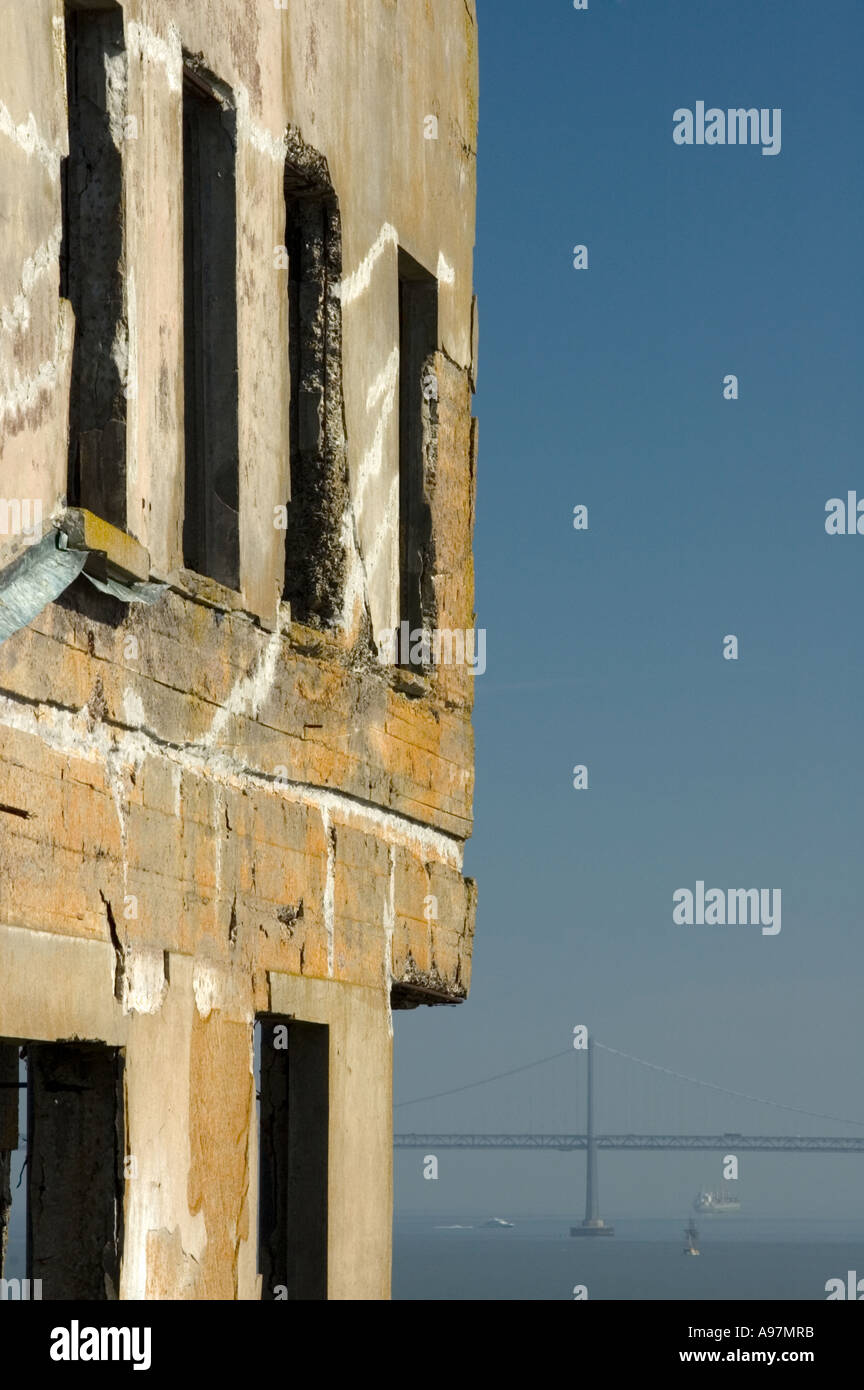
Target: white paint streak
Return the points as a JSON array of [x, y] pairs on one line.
[[384, 385], [21, 394], [73, 732], [446, 273], [149, 47], [44, 259], [25, 135], [381, 396], [359, 280], [274, 147], [146, 46], [249, 692], [116, 87]]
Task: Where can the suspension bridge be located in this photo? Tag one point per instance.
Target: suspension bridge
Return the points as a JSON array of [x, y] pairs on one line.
[[590, 1141]]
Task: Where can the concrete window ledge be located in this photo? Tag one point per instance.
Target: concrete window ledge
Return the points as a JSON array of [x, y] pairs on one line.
[[113, 554]]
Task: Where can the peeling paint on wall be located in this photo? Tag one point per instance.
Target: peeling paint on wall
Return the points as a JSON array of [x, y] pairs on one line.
[[217, 807]]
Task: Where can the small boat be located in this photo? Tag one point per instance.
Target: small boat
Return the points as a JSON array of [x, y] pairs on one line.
[[496, 1223], [691, 1235]]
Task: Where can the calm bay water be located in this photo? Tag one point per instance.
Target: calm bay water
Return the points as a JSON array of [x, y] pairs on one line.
[[538, 1259]]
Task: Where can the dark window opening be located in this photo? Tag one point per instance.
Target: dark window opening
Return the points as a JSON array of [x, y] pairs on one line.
[[314, 549], [91, 259], [211, 536], [418, 342], [13, 1141], [293, 1065], [63, 1231]]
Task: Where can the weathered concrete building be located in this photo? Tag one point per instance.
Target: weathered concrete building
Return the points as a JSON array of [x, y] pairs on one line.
[[236, 453]]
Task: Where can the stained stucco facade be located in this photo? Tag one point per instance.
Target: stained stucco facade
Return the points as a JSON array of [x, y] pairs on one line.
[[209, 809]]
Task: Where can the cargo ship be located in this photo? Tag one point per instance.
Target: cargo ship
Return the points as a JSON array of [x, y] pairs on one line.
[[721, 1202]]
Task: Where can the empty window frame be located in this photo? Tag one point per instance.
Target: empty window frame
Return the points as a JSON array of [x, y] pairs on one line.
[[418, 342], [92, 257], [293, 1064], [13, 1260], [211, 538], [314, 549], [72, 1232]]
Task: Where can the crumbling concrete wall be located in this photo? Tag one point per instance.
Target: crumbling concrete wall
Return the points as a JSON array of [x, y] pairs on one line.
[[208, 810]]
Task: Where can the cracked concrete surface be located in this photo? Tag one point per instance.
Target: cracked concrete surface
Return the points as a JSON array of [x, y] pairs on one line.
[[220, 807]]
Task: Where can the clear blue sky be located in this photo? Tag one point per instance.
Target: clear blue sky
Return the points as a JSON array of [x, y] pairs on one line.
[[605, 387]]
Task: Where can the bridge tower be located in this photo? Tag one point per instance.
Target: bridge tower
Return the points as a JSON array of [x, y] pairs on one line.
[[593, 1225]]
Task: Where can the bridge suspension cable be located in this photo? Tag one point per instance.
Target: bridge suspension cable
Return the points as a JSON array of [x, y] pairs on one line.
[[642, 1062], [740, 1095], [527, 1066]]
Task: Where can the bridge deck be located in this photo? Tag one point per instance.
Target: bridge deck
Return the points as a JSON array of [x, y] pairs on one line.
[[741, 1143]]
